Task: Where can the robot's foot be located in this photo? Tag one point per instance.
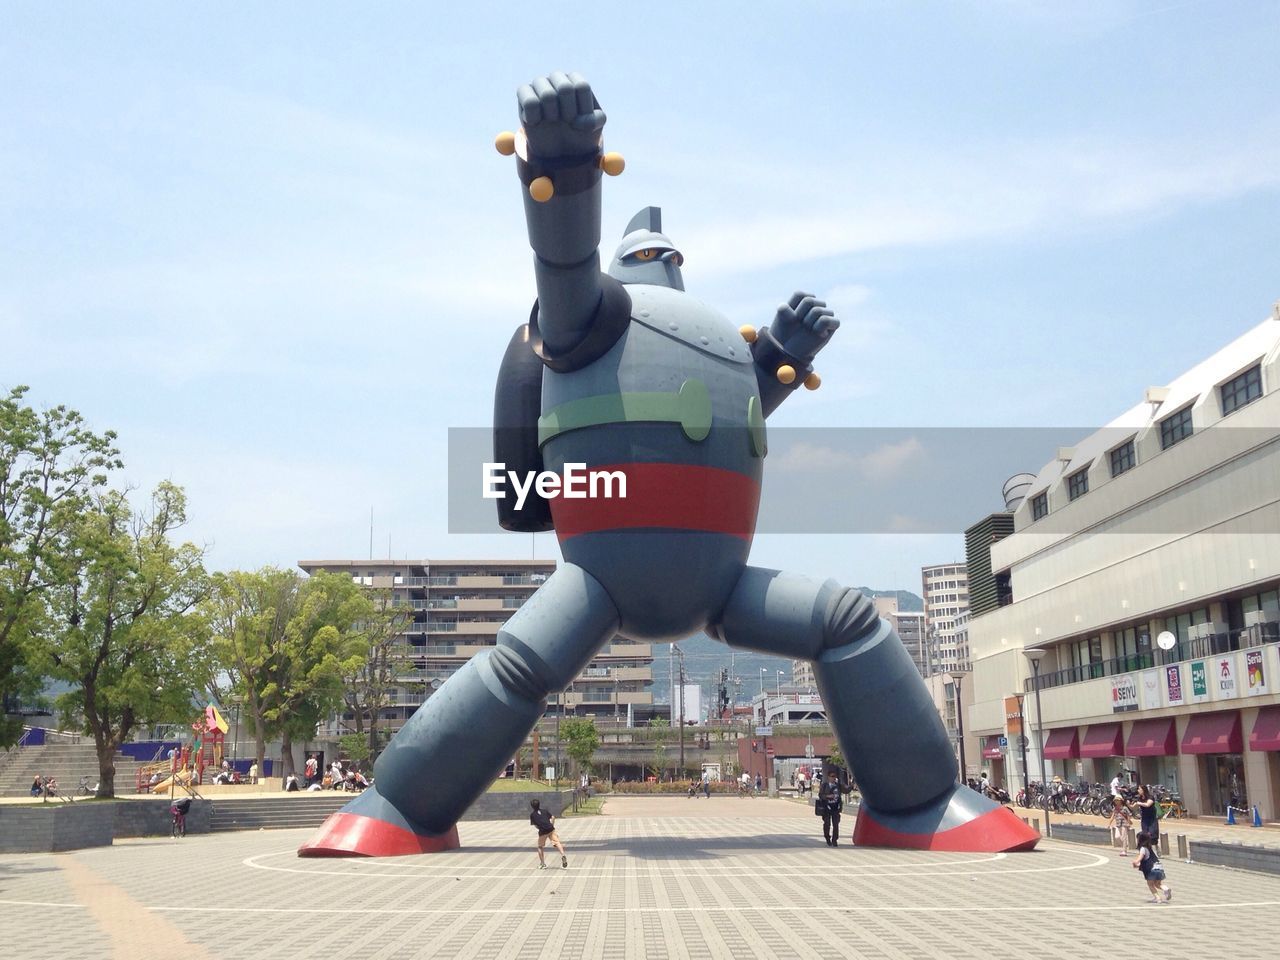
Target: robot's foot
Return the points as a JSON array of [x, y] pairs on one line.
[[369, 826], [961, 820]]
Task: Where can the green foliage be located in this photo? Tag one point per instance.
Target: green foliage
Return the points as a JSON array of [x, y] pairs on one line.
[[836, 758], [368, 681], [582, 740], [661, 732], [285, 643], [50, 466], [134, 648], [354, 747]]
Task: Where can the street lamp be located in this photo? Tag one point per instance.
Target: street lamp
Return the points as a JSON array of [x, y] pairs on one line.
[[1022, 745], [955, 678], [778, 687], [1034, 654], [762, 673]]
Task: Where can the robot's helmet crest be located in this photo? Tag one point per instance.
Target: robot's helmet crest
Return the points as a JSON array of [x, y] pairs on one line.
[[646, 254]]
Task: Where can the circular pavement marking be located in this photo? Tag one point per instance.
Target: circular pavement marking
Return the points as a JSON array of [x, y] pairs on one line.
[[628, 867]]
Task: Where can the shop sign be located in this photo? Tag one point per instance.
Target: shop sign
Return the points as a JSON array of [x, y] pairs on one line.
[[1124, 693], [1199, 682], [1173, 684], [1224, 678], [1150, 689], [1013, 715], [1255, 673]]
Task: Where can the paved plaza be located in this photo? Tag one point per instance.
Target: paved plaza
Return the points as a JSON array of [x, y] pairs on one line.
[[654, 878]]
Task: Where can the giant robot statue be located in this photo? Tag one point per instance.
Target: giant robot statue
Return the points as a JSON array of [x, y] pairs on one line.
[[625, 370]]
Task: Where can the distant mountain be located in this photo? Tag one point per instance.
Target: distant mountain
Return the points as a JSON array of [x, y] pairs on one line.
[[704, 658]]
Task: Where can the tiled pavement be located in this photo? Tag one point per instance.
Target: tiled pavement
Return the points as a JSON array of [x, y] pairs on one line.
[[674, 880]]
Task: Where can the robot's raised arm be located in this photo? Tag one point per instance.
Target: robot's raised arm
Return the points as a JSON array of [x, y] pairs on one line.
[[560, 160]]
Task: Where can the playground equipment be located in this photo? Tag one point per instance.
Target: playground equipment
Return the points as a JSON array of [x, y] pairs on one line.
[[186, 767]]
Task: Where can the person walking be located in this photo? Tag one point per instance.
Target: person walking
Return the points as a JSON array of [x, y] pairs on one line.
[[759, 783], [1120, 822], [546, 825], [1148, 861], [828, 802], [1148, 815]]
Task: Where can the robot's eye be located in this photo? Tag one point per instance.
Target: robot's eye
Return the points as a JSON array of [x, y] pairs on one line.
[[679, 259], [646, 254]]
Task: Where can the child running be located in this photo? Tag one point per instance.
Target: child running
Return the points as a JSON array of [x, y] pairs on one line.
[[1120, 822], [546, 825], [1148, 861]]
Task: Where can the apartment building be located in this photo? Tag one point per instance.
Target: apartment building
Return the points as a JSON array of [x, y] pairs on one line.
[[945, 588], [1143, 576], [457, 609]]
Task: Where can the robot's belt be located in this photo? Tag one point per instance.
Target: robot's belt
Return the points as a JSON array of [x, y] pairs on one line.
[[690, 407]]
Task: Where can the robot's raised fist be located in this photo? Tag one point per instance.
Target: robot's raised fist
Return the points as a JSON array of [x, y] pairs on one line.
[[803, 325], [560, 115]]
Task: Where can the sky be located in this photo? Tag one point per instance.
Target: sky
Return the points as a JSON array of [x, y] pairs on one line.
[[275, 250]]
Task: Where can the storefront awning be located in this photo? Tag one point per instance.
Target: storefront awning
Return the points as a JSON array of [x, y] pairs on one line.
[[1102, 740], [992, 752], [1266, 730], [1213, 733], [1153, 738], [1063, 744]]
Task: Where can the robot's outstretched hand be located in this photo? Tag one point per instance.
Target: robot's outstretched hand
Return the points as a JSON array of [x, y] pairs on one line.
[[803, 325], [561, 116]]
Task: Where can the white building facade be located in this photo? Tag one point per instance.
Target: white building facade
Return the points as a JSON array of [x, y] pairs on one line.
[[1165, 523], [945, 588]]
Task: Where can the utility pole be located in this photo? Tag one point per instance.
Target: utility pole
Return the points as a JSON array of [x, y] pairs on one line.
[[680, 654]]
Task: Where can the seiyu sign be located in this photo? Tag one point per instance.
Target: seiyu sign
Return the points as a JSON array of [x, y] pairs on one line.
[[1124, 693]]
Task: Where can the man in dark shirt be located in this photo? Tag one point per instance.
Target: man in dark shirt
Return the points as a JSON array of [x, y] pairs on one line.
[[546, 825], [827, 804]]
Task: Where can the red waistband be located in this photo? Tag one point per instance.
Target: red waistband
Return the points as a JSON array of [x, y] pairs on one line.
[[671, 495]]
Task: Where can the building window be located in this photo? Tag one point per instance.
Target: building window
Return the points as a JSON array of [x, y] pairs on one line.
[[1122, 458], [1242, 389], [1175, 428], [1078, 484], [1039, 506]]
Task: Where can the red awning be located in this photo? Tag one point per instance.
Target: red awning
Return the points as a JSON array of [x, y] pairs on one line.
[[1266, 730], [1213, 733], [1153, 738], [992, 752], [1062, 744], [1102, 740]]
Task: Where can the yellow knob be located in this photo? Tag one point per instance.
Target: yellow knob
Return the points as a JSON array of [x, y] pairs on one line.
[[748, 332], [612, 164], [542, 189], [505, 142], [786, 374], [812, 381]]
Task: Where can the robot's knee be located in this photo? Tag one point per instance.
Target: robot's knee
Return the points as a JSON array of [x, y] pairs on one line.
[[517, 674], [850, 617]]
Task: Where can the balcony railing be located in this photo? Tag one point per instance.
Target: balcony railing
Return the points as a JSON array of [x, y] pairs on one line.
[[1209, 646]]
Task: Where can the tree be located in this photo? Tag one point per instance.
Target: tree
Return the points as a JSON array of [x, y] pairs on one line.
[[583, 739], [248, 615], [321, 644], [133, 648], [50, 466], [661, 734], [369, 686]]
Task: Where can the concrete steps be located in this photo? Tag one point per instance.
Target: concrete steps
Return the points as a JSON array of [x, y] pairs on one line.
[[66, 762], [276, 813]]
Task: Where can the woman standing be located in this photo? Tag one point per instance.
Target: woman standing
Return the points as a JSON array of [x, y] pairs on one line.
[[1119, 822], [1148, 815]]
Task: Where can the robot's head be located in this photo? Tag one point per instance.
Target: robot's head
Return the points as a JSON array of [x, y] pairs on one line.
[[646, 255]]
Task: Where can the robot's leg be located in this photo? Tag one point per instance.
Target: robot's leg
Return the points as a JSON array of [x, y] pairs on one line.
[[887, 725], [464, 735]]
